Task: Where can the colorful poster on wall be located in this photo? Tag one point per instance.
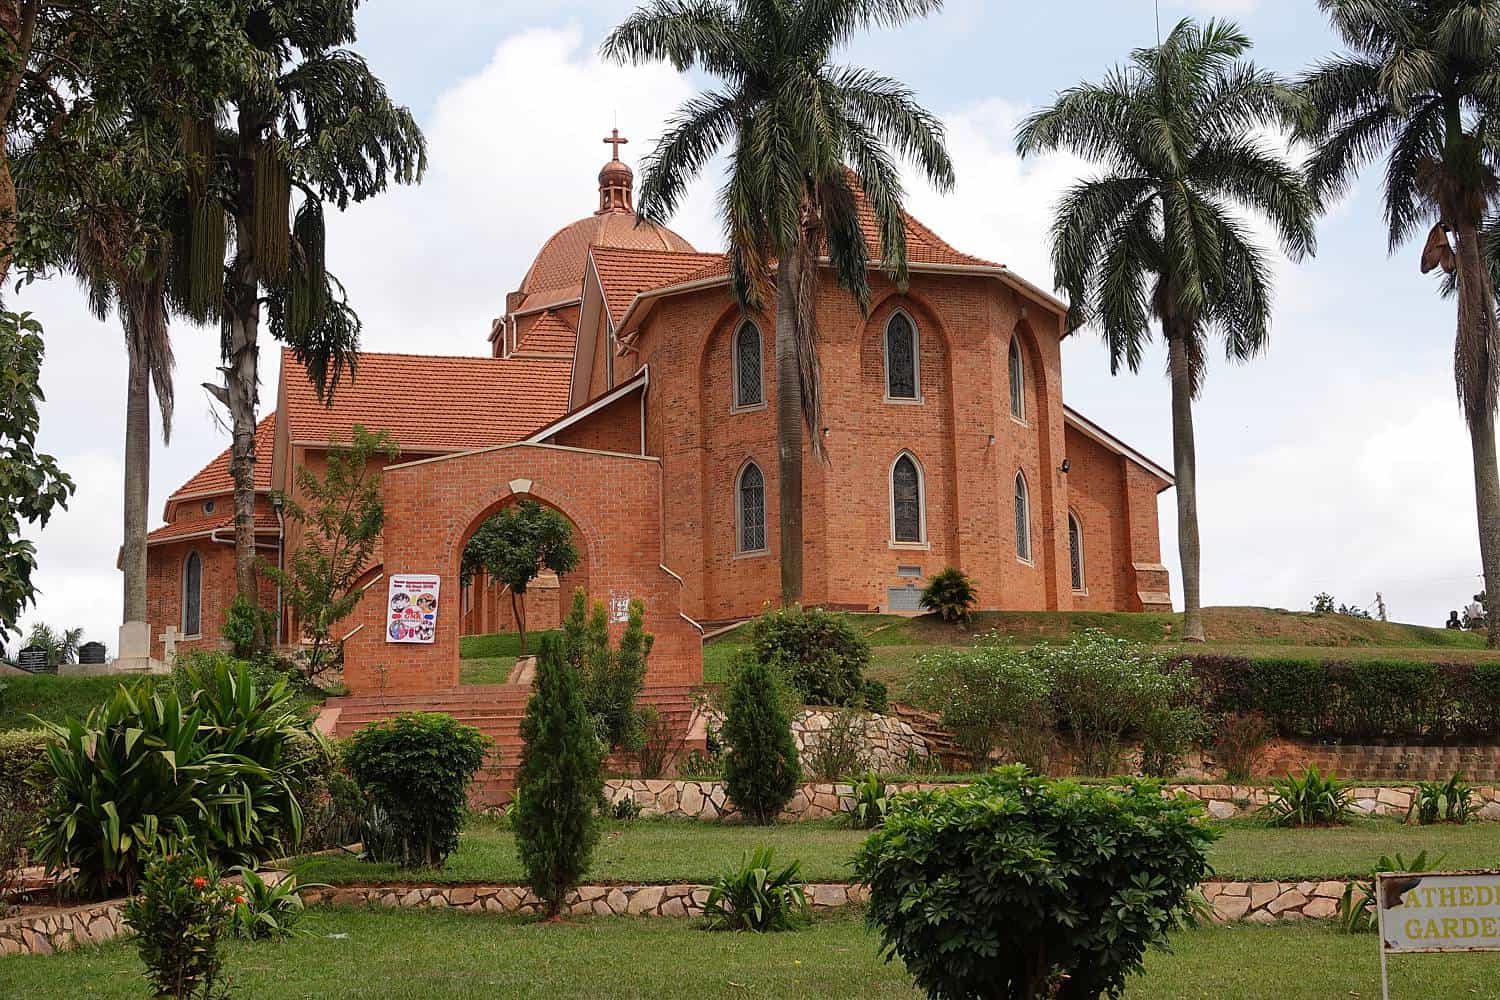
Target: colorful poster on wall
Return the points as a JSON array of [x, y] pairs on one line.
[[412, 607]]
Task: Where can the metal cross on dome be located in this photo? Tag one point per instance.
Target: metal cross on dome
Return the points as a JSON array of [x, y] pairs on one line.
[[616, 140]]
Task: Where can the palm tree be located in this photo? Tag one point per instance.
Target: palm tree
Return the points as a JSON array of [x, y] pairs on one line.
[[1159, 235], [1421, 83], [803, 134], [307, 115]]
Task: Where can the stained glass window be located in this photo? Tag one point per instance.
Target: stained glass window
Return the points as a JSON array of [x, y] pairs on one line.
[[1075, 550], [752, 512], [1023, 519], [747, 356], [900, 358], [192, 595], [1017, 382], [906, 500]]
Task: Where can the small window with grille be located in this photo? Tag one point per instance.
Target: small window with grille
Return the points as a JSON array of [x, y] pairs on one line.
[[751, 509], [748, 383]]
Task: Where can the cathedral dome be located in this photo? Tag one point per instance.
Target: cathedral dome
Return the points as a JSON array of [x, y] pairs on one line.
[[558, 268]]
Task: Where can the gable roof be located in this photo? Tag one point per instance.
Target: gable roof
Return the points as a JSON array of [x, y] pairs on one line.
[[550, 334], [624, 274], [429, 402], [214, 478], [1072, 418]]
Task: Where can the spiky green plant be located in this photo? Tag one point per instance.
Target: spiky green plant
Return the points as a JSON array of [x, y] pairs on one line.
[[1159, 236], [1308, 799], [803, 134], [756, 896]]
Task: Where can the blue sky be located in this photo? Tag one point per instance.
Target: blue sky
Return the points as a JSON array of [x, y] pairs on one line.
[[1338, 461]]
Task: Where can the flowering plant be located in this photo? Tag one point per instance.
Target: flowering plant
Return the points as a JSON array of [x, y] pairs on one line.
[[180, 917]]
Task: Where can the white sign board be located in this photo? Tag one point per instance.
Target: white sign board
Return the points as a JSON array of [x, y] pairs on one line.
[[1439, 911], [411, 607]]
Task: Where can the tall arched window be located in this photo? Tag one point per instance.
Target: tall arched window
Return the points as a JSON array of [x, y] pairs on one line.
[[907, 515], [1017, 381], [750, 509], [747, 366], [900, 358], [192, 595], [1023, 518], [1075, 550]]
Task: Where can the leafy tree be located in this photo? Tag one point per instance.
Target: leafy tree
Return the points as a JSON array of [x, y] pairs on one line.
[[950, 595], [61, 646], [1418, 83], [1020, 888], [32, 487], [761, 770], [341, 515], [306, 114], [559, 783], [1158, 235], [796, 125], [611, 677], [514, 546]]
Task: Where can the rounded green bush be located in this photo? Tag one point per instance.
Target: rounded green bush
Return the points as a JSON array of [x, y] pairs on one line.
[[819, 653]]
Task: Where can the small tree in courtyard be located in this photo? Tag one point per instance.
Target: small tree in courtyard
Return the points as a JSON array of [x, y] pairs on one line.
[[1018, 888], [342, 517], [559, 783], [611, 676], [515, 546], [761, 770]]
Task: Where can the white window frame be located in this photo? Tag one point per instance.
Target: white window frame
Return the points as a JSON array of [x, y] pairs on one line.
[[740, 552], [1016, 380], [735, 404], [890, 490], [916, 359], [183, 588], [1022, 489], [1075, 523]]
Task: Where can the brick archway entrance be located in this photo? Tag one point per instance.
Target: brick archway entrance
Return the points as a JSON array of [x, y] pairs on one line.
[[433, 506]]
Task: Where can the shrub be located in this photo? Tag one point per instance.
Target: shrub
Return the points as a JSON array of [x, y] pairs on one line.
[[875, 697], [180, 920], [1103, 687], [625, 810], [611, 677], [333, 807], [991, 695], [1239, 741], [950, 595], [1167, 733], [415, 771], [1005, 887], [820, 653], [219, 769], [755, 897], [23, 755], [655, 742], [247, 628], [559, 781], [871, 801], [1308, 799], [266, 911], [1450, 801], [760, 770], [838, 751]]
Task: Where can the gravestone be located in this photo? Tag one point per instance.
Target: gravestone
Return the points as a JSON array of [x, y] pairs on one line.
[[91, 652], [34, 659]]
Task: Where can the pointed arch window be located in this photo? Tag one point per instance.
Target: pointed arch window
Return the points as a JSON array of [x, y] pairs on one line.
[[1075, 550], [1017, 367], [908, 514], [901, 358], [1023, 519], [750, 509], [748, 377], [192, 594]]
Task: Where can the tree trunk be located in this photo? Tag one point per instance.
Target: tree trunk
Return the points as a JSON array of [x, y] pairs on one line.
[[1185, 467], [1476, 325], [789, 432], [137, 484], [242, 360], [7, 214], [518, 608]]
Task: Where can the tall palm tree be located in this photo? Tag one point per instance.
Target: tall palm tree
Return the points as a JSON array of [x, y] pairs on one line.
[[1421, 84], [802, 133], [1160, 235]]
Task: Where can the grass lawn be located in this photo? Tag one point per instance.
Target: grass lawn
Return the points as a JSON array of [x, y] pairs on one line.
[[488, 659], [426, 954], [50, 697], [683, 851]]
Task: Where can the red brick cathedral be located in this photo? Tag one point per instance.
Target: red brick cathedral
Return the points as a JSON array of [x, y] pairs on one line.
[[625, 388]]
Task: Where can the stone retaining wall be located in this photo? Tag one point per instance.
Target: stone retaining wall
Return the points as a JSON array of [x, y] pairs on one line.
[[708, 800], [57, 930], [1268, 902]]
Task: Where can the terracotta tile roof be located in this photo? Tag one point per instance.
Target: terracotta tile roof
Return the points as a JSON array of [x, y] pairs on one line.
[[221, 521], [548, 334], [431, 402], [214, 477], [560, 263], [624, 274]]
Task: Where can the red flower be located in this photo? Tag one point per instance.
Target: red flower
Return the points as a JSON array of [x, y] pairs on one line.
[[240, 900], [200, 882]]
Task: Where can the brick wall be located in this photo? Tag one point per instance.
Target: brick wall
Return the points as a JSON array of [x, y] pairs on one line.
[[164, 589]]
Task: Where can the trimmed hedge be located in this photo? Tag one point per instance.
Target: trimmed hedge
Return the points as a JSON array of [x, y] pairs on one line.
[[1368, 699]]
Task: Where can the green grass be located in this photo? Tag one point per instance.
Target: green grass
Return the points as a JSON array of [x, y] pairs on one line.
[[50, 697], [661, 851], [347, 953], [487, 670], [488, 659]]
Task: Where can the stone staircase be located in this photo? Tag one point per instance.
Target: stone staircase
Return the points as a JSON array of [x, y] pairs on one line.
[[496, 710]]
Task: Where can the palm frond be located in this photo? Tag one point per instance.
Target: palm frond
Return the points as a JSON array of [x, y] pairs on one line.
[[698, 130], [1261, 182], [688, 34]]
